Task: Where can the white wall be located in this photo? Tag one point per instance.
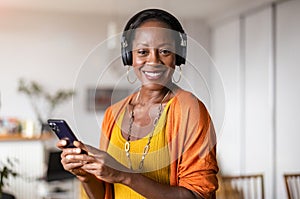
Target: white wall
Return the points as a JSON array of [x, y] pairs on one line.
[[248, 55], [258, 138], [225, 52], [288, 91]]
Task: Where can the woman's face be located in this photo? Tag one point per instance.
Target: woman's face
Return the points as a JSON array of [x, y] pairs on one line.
[[153, 54]]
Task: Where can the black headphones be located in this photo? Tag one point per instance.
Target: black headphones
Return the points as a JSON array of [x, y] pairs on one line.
[[160, 15]]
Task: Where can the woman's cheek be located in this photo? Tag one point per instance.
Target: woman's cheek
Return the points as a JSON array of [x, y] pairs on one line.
[[137, 62]]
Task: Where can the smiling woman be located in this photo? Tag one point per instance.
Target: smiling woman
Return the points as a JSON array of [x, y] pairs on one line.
[[158, 142]]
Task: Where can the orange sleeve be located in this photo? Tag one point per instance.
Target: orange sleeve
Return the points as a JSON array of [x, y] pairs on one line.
[[192, 144], [107, 124]]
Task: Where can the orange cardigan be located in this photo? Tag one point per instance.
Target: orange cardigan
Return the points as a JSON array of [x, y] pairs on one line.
[[191, 141]]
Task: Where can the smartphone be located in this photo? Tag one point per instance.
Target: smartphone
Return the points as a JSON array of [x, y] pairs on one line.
[[63, 131]]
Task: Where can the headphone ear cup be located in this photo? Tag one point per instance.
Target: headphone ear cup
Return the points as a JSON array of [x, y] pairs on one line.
[[125, 52], [126, 57], [181, 54], [179, 60]]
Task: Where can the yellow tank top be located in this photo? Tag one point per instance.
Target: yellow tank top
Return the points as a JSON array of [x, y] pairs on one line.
[[157, 161]]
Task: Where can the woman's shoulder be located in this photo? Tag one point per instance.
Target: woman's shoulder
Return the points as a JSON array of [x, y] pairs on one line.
[[186, 101], [187, 98], [184, 94]]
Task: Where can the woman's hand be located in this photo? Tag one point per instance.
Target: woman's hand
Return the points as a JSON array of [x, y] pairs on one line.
[[71, 159], [101, 164], [94, 162]]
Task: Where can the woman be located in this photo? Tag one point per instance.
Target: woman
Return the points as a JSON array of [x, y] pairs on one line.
[[158, 142]]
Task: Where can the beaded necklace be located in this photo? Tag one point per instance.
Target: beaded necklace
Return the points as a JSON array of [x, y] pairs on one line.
[[147, 146]]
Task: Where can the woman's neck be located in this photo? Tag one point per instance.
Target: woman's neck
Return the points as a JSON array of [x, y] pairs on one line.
[[151, 96]]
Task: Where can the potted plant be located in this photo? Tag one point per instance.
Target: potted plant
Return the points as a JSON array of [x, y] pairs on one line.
[[6, 171], [43, 102]]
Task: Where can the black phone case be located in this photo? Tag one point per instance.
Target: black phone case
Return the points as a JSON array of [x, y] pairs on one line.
[[63, 131]]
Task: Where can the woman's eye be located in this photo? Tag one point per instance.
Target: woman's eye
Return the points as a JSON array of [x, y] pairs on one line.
[[142, 52], [165, 52]]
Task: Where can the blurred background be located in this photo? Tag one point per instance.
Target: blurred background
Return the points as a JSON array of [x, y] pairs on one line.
[[243, 63]]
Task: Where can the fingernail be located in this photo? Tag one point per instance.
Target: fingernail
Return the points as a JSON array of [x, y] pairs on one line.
[[77, 150], [91, 154]]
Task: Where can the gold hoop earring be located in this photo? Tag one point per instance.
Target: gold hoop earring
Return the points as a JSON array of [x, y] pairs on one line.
[[177, 81], [128, 79]]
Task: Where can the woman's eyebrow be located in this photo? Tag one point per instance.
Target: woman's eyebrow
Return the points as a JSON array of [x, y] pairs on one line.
[[141, 44], [148, 45]]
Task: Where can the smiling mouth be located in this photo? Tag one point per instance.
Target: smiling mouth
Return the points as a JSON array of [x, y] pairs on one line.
[[153, 74]]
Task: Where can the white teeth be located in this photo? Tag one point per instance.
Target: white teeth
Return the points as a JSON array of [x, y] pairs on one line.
[[153, 74]]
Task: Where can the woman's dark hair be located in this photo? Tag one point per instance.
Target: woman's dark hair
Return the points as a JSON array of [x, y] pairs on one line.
[[147, 15], [156, 14]]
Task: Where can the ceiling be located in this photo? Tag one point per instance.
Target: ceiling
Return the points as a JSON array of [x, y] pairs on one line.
[[206, 9]]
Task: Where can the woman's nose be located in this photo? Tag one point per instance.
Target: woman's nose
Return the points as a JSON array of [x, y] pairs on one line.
[[154, 56]]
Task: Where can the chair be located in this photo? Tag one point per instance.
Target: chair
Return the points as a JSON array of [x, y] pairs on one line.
[[243, 186], [292, 184]]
